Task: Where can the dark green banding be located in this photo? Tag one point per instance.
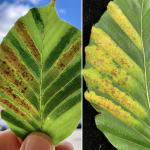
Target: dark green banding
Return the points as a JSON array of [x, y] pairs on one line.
[[33, 99], [18, 131], [38, 20], [53, 56], [61, 81], [53, 102], [66, 105], [25, 36], [66, 57], [62, 63], [24, 55], [9, 117]]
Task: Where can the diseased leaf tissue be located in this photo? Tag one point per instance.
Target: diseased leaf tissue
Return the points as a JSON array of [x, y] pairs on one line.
[[117, 73], [40, 75]]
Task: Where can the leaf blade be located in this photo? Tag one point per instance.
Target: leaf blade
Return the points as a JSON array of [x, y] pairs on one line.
[[36, 56], [119, 52]]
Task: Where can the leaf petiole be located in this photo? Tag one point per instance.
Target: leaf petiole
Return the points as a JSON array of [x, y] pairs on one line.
[[53, 2]]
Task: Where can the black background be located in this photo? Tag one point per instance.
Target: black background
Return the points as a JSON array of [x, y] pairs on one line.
[[93, 139]]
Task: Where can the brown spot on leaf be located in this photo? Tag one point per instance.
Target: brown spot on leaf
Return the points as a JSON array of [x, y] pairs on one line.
[[6, 103], [9, 74], [22, 30], [13, 60], [68, 56], [19, 101]]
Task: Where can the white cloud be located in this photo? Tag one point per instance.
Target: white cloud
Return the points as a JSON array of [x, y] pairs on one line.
[[62, 11], [8, 16], [28, 1], [34, 1]]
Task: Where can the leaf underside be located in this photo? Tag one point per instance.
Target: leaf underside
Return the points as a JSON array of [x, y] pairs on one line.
[[117, 73], [40, 75]]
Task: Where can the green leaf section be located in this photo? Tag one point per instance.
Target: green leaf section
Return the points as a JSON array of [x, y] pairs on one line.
[[117, 73], [40, 81]]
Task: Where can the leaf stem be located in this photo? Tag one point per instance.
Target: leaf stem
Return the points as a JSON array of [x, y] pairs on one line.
[[53, 2]]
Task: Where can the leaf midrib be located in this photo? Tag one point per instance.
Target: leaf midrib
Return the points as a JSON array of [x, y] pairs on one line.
[[42, 75], [144, 55], [41, 80]]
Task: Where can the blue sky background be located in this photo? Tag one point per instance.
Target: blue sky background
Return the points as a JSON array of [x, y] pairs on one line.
[[11, 10]]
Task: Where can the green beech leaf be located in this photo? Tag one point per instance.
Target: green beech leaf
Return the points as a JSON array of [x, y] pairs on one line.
[[117, 73], [40, 75]]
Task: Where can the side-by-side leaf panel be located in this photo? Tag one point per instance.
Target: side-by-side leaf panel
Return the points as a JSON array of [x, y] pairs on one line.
[[40, 81], [117, 73]]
